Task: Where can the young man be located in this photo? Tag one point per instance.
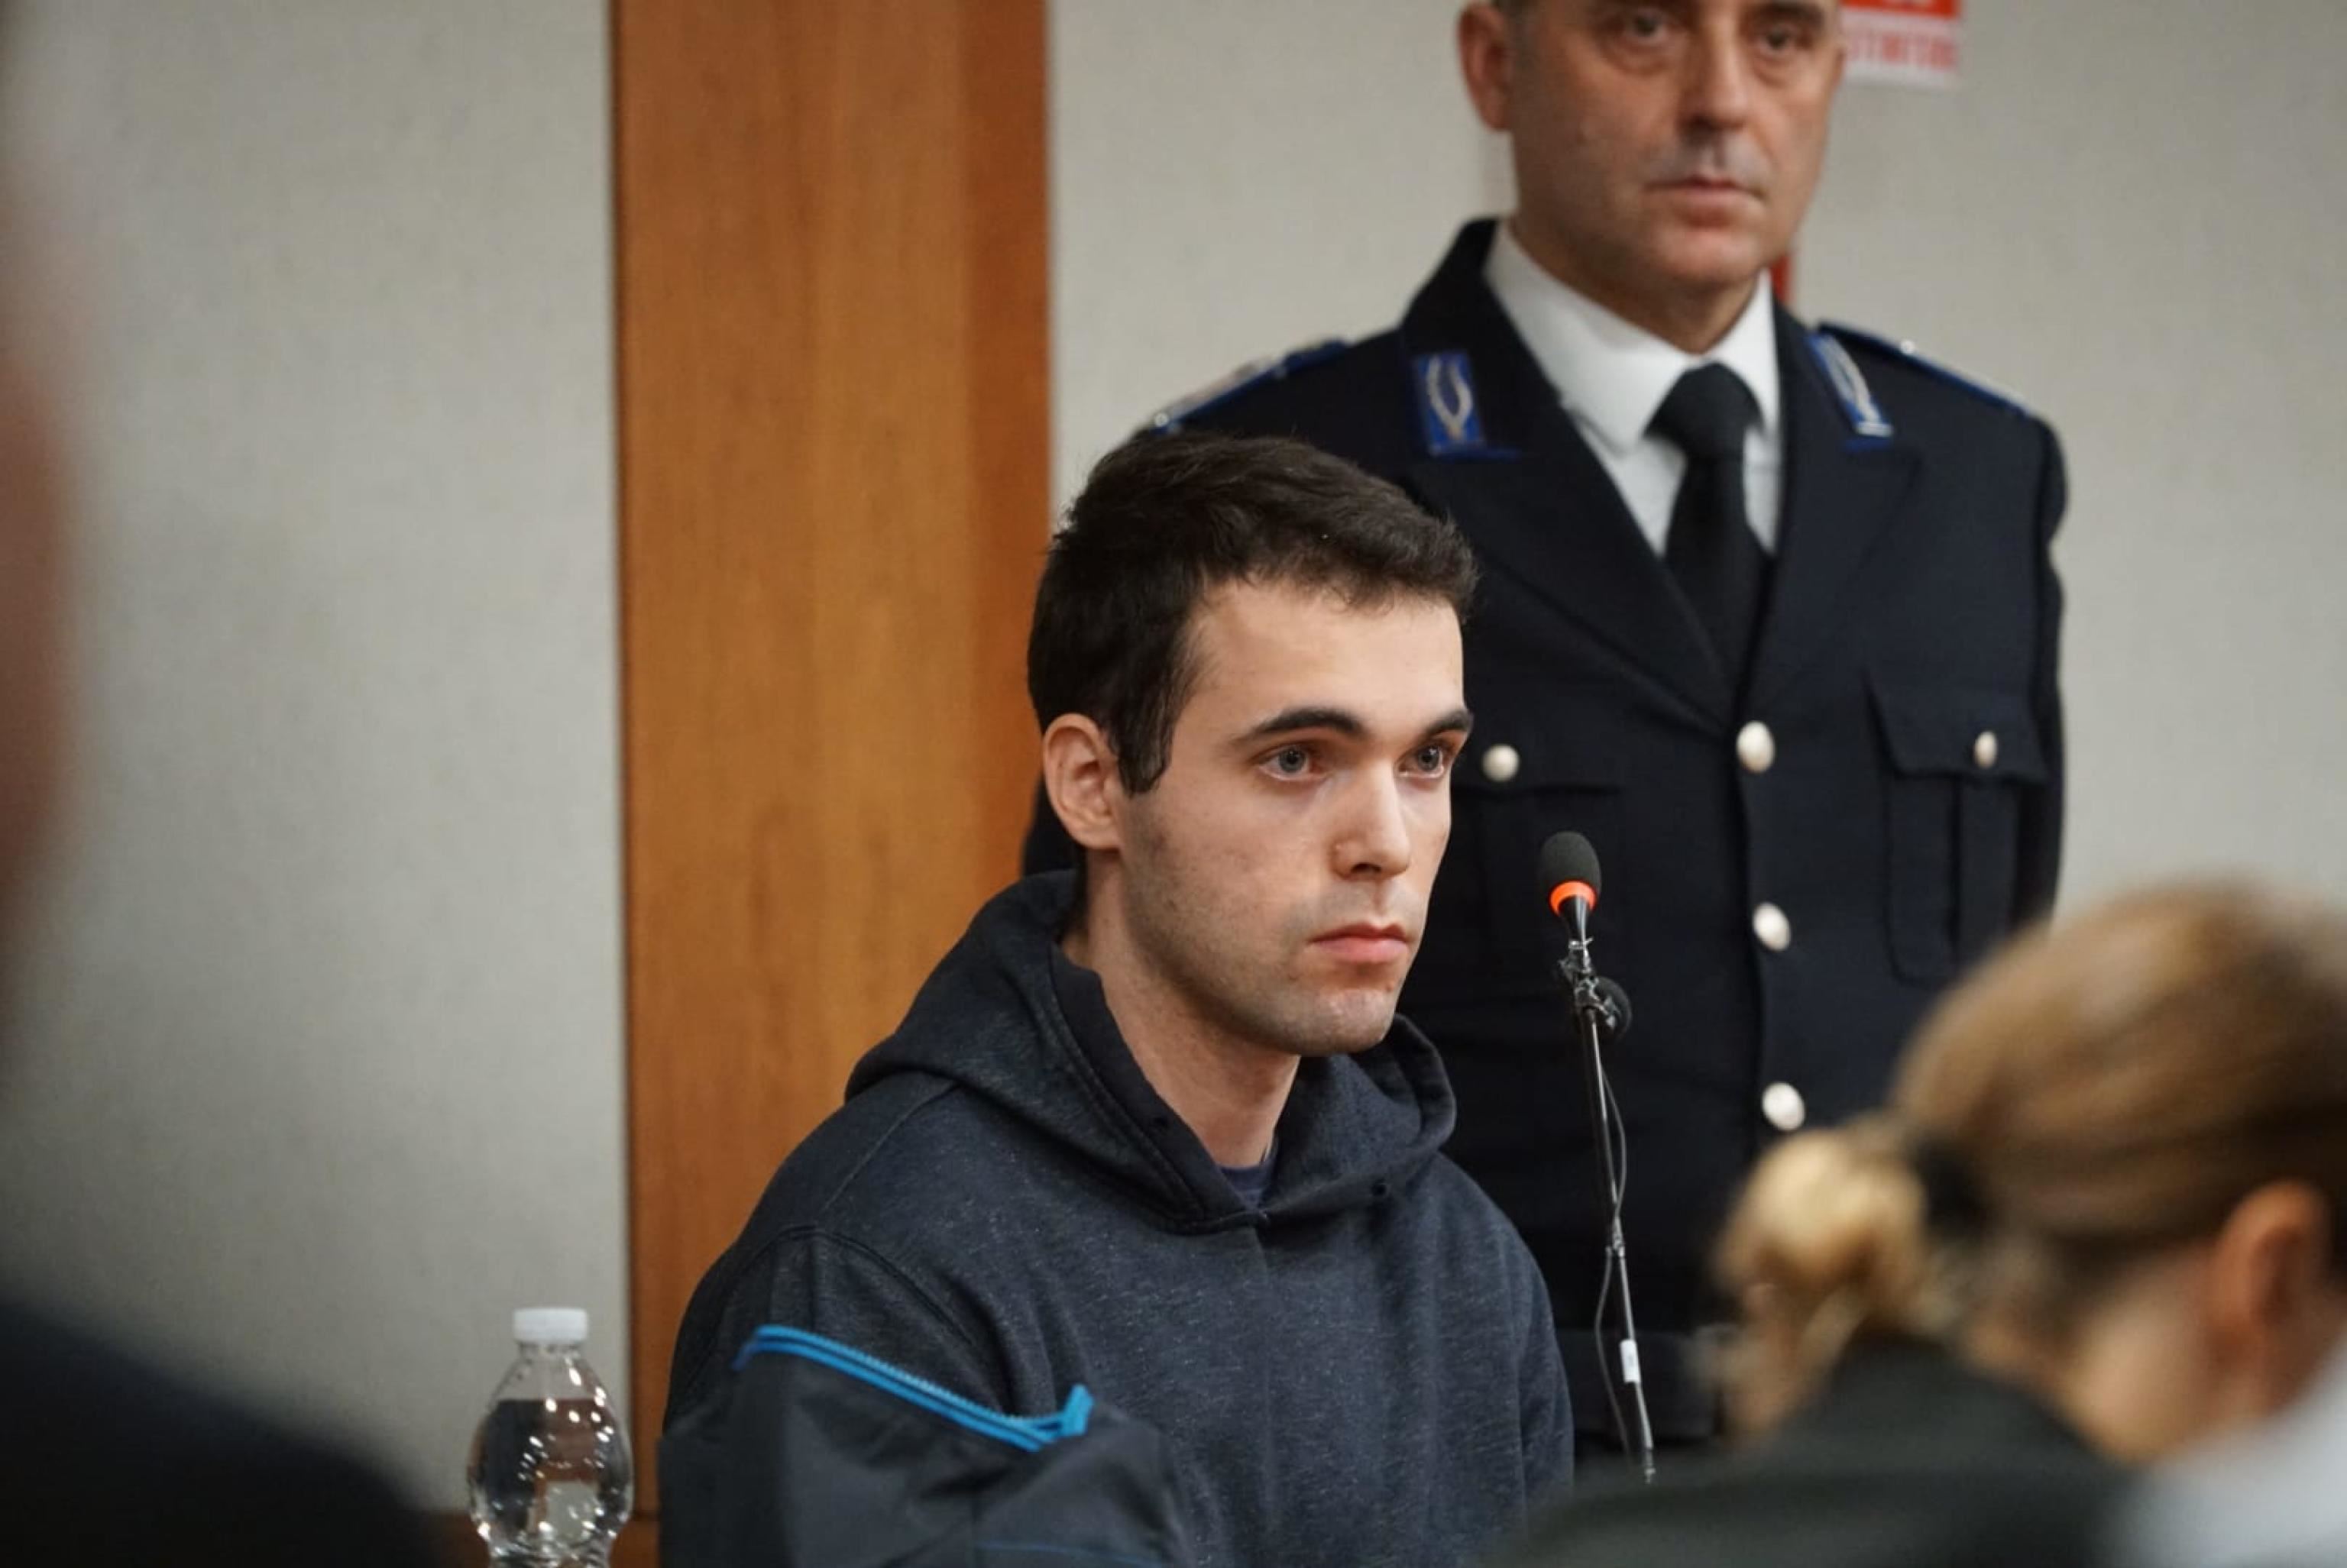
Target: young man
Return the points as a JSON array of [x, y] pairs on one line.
[[1154, 1126], [1768, 613]]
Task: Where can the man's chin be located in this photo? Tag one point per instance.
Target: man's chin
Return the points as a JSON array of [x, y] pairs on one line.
[[1710, 260], [1350, 1024]]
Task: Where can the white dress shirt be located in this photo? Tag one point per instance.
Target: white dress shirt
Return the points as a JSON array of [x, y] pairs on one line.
[[1612, 376]]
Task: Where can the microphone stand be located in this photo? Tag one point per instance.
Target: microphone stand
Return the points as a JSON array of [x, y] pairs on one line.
[[1599, 1013]]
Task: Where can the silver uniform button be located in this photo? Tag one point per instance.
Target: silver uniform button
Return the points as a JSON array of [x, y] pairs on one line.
[[1501, 763], [1783, 1105], [1769, 924], [1756, 748], [1984, 748]]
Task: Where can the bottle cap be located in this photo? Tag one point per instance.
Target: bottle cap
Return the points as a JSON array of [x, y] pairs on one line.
[[551, 1326]]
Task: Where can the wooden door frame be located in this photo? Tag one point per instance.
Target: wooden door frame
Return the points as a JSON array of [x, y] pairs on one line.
[[833, 443]]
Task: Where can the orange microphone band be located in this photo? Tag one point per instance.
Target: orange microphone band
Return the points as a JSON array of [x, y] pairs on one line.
[[1564, 891]]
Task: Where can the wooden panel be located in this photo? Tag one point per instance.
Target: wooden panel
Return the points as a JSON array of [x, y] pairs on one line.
[[833, 436]]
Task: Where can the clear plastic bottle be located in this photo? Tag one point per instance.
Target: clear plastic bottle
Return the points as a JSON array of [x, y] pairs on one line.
[[552, 1477]]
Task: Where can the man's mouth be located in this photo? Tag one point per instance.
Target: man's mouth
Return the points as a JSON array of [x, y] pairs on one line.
[[1364, 942], [1711, 184]]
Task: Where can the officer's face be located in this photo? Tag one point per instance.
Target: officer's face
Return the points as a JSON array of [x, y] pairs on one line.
[[1663, 147], [1274, 877]]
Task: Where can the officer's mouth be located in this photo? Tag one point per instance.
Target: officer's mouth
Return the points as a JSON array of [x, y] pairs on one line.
[[1707, 186]]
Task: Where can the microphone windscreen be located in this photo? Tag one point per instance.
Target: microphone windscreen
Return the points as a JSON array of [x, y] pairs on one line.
[[1568, 857]]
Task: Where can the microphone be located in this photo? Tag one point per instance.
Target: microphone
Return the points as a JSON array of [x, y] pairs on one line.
[[1569, 870]]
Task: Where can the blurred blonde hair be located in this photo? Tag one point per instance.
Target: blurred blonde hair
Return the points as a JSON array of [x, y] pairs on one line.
[[2103, 1089]]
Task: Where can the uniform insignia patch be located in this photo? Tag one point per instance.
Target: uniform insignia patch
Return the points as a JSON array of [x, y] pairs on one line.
[[1247, 378], [1858, 405], [1447, 417]]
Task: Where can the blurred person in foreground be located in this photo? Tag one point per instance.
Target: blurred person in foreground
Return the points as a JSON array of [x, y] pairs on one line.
[[103, 1462], [1154, 1126], [2098, 1225]]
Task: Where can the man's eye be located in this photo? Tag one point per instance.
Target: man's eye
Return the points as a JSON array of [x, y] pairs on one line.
[[1433, 761], [1290, 762], [1782, 40], [1645, 26]]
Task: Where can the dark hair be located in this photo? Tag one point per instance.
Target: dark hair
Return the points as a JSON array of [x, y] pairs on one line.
[[1162, 521]]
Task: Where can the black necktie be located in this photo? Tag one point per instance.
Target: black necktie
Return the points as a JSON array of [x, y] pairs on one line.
[[1711, 548]]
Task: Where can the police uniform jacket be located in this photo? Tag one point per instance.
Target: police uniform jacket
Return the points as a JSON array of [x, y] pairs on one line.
[[1793, 872]]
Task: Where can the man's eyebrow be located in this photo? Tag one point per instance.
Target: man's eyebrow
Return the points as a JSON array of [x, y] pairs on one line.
[[1458, 718], [1343, 722], [1288, 720]]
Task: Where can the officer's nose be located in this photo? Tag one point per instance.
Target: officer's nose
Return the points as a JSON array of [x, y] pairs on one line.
[[1718, 90]]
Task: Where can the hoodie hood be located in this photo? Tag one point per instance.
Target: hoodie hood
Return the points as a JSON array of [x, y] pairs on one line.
[[1009, 1018]]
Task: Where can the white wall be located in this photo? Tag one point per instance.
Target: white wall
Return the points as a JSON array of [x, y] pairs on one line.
[[318, 1057], [1233, 178], [2128, 210]]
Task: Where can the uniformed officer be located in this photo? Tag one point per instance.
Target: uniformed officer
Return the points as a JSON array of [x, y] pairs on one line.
[[1768, 613]]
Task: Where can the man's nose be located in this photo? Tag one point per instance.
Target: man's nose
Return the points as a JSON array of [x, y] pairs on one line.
[[1376, 840], [1718, 91]]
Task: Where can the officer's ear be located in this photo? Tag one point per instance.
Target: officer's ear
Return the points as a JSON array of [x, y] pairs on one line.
[[1487, 59], [1081, 777]]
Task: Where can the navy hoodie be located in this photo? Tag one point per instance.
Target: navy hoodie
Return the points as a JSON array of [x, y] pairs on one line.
[[1360, 1372]]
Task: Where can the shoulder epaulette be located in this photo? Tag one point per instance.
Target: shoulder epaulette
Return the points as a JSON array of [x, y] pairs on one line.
[[1905, 353], [1245, 378]]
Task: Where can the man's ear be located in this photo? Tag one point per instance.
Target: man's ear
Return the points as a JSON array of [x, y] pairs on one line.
[[1081, 777], [1486, 43]]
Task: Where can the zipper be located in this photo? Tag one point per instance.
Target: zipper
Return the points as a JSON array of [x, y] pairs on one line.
[[1026, 1434]]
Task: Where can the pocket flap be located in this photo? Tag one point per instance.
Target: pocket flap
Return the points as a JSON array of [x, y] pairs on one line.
[[1970, 732]]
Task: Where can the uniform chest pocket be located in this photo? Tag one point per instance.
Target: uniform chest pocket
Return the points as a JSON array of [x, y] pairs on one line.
[[1537, 765], [1959, 758]]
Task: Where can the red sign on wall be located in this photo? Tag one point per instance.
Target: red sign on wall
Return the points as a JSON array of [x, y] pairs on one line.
[[1914, 43]]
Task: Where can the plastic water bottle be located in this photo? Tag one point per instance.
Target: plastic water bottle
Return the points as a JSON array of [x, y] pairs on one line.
[[552, 1477]]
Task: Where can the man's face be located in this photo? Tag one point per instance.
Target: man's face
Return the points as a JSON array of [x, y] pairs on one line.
[[1276, 876], [1666, 146]]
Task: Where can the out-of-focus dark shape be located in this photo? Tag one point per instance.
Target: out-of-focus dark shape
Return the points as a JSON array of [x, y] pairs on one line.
[[105, 1463], [2095, 1227]]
